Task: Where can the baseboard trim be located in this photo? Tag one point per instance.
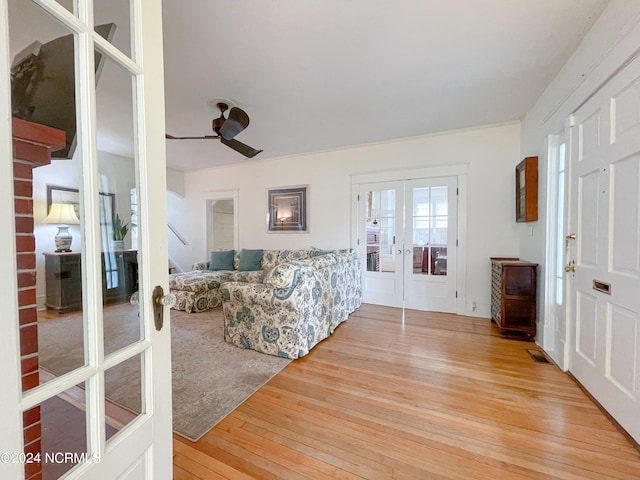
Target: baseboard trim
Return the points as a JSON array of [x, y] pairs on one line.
[[605, 412]]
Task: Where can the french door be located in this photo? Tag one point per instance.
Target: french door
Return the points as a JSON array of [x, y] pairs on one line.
[[408, 231], [605, 257], [77, 66]]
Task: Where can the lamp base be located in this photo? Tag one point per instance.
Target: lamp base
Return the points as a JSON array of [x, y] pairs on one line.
[[63, 239]]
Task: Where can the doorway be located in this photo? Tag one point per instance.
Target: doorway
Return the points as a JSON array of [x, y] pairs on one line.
[[409, 234], [222, 221]]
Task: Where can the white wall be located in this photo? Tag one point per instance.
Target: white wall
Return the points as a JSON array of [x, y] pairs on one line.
[[611, 41], [118, 178], [491, 153]]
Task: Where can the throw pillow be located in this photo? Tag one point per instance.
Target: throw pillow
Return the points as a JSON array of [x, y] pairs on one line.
[[221, 260], [250, 260], [316, 252]]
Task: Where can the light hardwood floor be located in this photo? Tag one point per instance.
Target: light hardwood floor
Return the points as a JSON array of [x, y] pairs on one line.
[[435, 396]]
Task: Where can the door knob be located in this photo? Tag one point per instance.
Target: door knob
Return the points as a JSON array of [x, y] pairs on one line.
[[135, 298], [407, 252], [399, 252], [570, 267], [160, 300]]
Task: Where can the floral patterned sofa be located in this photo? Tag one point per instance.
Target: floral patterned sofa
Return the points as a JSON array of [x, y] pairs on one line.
[[199, 289], [297, 304]]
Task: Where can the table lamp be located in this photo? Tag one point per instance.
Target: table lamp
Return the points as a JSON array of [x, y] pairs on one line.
[[62, 214]]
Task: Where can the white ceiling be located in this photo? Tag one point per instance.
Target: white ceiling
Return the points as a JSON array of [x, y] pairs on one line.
[[319, 74], [325, 74]]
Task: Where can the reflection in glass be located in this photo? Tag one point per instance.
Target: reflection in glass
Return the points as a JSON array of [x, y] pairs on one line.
[[117, 179], [117, 12], [123, 392], [63, 433], [43, 92]]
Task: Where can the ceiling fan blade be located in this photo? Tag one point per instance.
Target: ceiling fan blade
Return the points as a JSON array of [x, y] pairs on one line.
[[206, 137], [240, 147], [237, 121]]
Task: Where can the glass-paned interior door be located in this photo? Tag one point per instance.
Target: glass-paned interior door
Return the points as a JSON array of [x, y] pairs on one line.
[[430, 244], [381, 223], [93, 394]]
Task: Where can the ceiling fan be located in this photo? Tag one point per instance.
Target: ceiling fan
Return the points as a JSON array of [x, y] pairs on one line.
[[226, 129]]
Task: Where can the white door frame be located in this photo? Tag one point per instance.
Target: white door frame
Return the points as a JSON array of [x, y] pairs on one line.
[[144, 448], [459, 170], [555, 328]]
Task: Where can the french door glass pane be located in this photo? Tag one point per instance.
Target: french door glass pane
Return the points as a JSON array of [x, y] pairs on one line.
[[123, 394], [61, 434], [48, 204], [430, 230], [117, 176], [117, 13], [439, 201], [381, 227]]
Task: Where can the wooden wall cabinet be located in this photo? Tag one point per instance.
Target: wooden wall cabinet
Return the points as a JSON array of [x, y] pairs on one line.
[[513, 297], [527, 190]]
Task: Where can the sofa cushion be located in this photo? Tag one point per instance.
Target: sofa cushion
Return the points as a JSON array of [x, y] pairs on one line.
[[221, 260], [283, 276], [197, 282], [200, 266], [250, 260], [247, 277], [317, 252], [289, 255], [269, 259]]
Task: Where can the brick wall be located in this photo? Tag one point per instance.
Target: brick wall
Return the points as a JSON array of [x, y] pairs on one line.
[[32, 146], [26, 263]]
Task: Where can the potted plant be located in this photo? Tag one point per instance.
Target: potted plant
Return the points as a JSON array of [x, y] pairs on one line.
[[120, 231]]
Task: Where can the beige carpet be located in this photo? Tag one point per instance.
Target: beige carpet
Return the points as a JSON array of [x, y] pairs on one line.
[[210, 377]]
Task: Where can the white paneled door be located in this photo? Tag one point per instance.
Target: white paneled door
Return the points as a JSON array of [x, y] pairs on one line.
[[605, 218], [408, 235], [92, 69]]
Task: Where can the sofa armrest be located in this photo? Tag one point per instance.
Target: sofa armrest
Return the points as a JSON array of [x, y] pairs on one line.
[[252, 293]]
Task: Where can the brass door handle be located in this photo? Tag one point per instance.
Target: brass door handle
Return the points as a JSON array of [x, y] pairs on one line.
[[160, 300], [570, 267]]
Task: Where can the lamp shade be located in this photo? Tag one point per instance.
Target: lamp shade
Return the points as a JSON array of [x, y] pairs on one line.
[[62, 213]]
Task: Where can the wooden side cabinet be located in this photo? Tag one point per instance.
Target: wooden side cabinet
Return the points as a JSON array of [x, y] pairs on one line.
[[513, 297], [64, 278], [64, 281]]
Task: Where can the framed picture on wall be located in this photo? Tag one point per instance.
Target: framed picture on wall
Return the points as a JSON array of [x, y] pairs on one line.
[[288, 209], [71, 195]]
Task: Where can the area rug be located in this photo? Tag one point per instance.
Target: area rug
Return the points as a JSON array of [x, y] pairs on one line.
[[210, 377]]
